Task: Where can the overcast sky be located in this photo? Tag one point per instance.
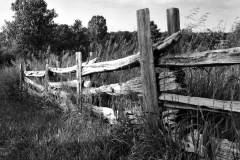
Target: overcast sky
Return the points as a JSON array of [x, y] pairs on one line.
[[121, 14]]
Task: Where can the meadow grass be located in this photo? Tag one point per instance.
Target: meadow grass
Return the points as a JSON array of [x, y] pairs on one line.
[[34, 128]]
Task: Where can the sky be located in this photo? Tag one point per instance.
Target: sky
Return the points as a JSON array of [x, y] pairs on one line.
[[121, 14]]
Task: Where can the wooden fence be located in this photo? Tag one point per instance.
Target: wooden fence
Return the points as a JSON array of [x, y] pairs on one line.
[[153, 89]]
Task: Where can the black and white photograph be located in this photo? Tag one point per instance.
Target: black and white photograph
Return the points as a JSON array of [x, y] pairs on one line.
[[119, 79]]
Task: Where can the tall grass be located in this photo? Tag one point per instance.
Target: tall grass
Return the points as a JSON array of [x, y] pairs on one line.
[[33, 128]]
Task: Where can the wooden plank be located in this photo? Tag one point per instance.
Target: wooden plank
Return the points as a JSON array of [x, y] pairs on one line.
[[198, 101], [130, 87], [149, 86], [168, 43], [63, 70], [178, 105], [37, 86], [34, 73], [229, 56], [70, 69], [106, 112], [72, 83], [166, 82], [107, 66]]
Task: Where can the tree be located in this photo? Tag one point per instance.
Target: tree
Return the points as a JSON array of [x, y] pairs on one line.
[[70, 38], [81, 42], [32, 25], [97, 28], [155, 32], [63, 38]]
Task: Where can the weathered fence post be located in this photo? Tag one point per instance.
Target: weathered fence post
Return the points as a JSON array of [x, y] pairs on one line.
[[79, 77], [149, 86], [173, 24], [21, 76], [58, 66], [46, 77]]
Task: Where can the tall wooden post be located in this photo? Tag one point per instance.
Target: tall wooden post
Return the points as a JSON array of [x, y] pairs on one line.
[[58, 66], [173, 24], [149, 86], [46, 77], [79, 77], [21, 76]]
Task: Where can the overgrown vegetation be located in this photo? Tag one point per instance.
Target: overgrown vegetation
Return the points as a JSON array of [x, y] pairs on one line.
[[35, 128]]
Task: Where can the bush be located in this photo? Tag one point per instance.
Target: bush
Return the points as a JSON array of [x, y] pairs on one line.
[[6, 59]]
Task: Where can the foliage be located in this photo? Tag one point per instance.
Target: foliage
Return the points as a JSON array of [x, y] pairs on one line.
[[32, 25], [70, 38], [63, 38], [97, 28], [155, 32], [234, 35]]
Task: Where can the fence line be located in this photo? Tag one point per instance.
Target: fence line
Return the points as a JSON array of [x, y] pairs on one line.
[[149, 57]]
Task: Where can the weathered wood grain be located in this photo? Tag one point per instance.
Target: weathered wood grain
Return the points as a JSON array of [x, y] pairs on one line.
[[72, 83], [34, 73], [63, 70], [71, 69], [178, 105], [79, 76], [208, 58], [106, 112], [168, 43], [46, 78], [132, 86], [233, 106], [148, 78], [37, 86], [173, 23], [107, 66]]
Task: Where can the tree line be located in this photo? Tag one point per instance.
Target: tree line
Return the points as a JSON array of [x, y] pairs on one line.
[[33, 32]]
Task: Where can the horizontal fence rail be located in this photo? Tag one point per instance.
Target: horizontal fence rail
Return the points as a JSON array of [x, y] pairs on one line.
[[224, 57], [177, 100], [108, 66]]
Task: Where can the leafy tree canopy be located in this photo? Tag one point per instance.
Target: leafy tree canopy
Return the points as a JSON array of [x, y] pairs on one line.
[[97, 28], [32, 25]]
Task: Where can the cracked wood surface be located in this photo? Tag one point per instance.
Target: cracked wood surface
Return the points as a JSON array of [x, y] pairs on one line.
[[232, 106], [37, 86], [166, 81], [229, 56]]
